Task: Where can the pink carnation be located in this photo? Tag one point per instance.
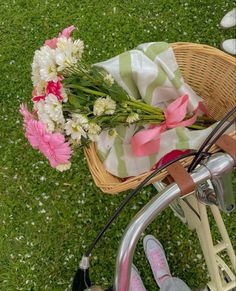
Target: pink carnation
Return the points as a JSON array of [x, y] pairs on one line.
[[52, 145], [52, 43], [51, 88], [54, 88], [67, 31]]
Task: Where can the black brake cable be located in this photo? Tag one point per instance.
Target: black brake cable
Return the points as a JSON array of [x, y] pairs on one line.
[[198, 157], [220, 133], [131, 195], [196, 160]]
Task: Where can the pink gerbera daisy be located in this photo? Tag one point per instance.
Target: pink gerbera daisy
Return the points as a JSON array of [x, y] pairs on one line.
[[51, 145]]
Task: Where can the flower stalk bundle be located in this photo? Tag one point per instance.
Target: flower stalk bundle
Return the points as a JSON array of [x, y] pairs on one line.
[[74, 102]]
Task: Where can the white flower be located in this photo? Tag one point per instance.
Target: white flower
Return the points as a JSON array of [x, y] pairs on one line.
[[48, 70], [132, 118], [43, 115], [63, 167], [81, 119], [40, 88], [68, 52], [64, 60], [53, 108], [112, 133], [64, 95], [109, 80], [74, 129], [44, 65], [93, 132], [104, 106]]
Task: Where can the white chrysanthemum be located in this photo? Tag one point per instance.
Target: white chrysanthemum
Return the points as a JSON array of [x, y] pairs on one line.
[[43, 115], [109, 80], [35, 77], [64, 95], [104, 106], [63, 167], [53, 108], [40, 87], [93, 132], [81, 119], [64, 60], [79, 45], [68, 52], [74, 129], [44, 65], [48, 70], [132, 118]]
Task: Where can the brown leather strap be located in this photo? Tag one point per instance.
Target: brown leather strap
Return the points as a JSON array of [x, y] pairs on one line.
[[228, 145], [181, 177]]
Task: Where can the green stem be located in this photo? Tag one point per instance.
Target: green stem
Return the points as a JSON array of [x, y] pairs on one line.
[[144, 107], [86, 90]]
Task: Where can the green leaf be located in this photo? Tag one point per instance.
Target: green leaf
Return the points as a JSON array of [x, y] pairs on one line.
[[74, 101]]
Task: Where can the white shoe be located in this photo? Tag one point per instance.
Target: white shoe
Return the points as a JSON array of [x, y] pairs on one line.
[[229, 20], [229, 46]]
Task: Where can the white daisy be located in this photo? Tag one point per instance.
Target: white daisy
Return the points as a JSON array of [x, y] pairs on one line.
[[44, 65], [48, 70], [109, 80], [53, 108], [93, 132], [75, 130], [104, 106], [68, 52], [132, 118], [79, 48], [81, 119], [63, 167], [43, 115]]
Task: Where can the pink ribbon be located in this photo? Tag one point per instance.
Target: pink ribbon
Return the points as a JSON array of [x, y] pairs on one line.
[[147, 142]]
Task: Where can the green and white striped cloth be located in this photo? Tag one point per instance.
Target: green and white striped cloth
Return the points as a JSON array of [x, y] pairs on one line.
[[150, 73]]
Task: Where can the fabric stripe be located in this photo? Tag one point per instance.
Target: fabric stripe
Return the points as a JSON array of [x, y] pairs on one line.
[[155, 49], [102, 155], [118, 144], [125, 67], [177, 82], [183, 142], [158, 81], [152, 160]]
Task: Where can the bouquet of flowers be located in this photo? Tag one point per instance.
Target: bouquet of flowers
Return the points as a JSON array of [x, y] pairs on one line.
[[74, 102]]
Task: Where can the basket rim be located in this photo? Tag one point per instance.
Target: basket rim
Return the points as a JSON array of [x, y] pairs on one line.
[[116, 184]]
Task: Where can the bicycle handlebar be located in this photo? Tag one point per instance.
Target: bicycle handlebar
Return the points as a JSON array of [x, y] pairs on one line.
[[217, 165]]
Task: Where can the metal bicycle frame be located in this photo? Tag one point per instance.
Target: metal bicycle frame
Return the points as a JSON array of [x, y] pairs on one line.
[[150, 211]]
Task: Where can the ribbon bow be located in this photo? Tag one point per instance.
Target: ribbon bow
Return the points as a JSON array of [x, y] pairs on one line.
[[147, 142]]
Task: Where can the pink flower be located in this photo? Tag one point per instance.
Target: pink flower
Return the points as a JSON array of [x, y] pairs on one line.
[[54, 88], [26, 114], [67, 31], [51, 145], [34, 132], [51, 88], [55, 149], [52, 43]]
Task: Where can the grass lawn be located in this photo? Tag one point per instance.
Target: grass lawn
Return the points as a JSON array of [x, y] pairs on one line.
[[48, 218]]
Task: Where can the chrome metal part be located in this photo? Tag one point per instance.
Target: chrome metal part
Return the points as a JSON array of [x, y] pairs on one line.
[[220, 167], [214, 167]]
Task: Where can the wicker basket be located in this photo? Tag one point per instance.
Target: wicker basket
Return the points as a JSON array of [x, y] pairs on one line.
[[212, 74]]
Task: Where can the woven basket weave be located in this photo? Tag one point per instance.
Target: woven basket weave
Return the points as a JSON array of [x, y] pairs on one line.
[[212, 74]]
